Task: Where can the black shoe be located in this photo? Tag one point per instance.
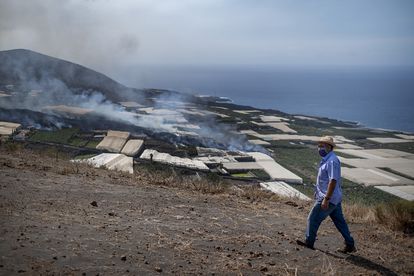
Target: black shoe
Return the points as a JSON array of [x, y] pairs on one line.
[[348, 249], [305, 244]]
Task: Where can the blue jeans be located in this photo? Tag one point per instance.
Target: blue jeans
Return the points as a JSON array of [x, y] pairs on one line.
[[317, 215]]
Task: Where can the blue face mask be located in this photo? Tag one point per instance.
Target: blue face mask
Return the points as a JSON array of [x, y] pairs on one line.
[[322, 152]]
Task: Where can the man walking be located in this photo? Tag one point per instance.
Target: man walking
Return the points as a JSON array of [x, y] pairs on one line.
[[328, 196]]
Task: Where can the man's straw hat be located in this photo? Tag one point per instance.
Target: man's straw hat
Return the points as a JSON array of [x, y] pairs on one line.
[[327, 140]]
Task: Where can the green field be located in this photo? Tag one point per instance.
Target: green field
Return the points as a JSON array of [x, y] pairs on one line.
[[66, 136], [299, 157], [243, 175], [304, 161], [61, 136], [92, 144], [302, 158], [78, 142]]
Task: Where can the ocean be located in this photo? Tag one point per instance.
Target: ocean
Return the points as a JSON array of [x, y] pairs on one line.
[[374, 97]]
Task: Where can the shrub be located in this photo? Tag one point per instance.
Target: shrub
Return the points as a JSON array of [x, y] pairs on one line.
[[398, 215]]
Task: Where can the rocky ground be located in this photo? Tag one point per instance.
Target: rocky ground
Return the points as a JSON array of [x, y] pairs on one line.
[[57, 218]]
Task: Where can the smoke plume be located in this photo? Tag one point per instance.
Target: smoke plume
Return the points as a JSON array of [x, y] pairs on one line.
[[65, 96]]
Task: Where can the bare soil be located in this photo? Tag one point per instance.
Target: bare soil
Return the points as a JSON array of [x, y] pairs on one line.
[[57, 218]]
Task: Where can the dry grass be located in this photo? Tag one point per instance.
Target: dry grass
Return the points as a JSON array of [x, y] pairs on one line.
[[256, 193], [53, 152], [398, 215], [289, 270], [327, 268], [12, 146], [69, 168], [358, 213], [205, 186], [169, 177]]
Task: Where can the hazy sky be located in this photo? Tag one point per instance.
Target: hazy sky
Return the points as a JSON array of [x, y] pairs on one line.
[[106, 33]]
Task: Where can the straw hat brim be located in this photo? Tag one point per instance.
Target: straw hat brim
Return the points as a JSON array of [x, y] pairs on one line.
[[327, 141]]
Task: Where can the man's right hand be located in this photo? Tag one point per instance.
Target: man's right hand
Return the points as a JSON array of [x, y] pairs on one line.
[[325, 204]]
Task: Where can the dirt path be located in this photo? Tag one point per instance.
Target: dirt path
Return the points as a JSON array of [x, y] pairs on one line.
[[49, 226]]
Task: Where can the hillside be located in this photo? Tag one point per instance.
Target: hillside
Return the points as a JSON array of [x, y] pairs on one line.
[[27, 69], [62, 217], [68, 219]]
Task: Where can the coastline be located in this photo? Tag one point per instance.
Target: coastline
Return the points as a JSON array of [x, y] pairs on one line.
[[375, 97], [356, 124]]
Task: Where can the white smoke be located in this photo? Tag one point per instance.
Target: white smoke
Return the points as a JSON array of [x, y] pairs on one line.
[[168, 115]]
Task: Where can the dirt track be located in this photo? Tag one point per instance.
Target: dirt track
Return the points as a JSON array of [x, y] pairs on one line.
[[49, 226]]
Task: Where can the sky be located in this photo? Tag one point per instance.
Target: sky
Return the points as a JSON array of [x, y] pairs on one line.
[[106, 34]]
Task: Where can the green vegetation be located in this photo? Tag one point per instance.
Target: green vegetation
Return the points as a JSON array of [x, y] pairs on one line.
[[77, 142], [260, 174], [267, 130], [243, 175], [67, 136], [345, 155], [370, 196], [407, 147], [92, 144], [301, 160], [228, 120], [61, 136], [311, 129]]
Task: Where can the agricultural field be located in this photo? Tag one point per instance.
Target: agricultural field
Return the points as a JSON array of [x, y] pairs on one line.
[[304, 161], [61, 136], [297, 156]]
